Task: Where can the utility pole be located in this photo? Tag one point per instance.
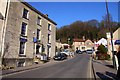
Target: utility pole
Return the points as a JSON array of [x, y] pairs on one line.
[[111, 34]]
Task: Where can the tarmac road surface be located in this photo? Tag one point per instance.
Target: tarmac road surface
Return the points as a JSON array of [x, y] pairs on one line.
[[79, 66]]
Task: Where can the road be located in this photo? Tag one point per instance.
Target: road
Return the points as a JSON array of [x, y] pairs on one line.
[[76, 67]]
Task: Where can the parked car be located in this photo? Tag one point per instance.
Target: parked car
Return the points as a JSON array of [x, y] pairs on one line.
[[89, 51], [78, 51], [83, 51], [67, 52], [60, 56]]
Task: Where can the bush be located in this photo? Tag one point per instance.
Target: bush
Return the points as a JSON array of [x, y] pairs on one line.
[[103, 56], [102, 49]]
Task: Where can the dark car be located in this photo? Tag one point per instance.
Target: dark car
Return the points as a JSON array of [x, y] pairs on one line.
[[60, 56], [78, 51]]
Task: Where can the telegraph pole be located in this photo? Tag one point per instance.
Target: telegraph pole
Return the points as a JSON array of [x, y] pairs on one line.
[[111, 35]]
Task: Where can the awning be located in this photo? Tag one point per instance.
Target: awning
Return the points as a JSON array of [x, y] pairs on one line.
[[117, 42]]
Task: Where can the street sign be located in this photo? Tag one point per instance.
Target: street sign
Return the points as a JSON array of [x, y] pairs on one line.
[[34, 39], [117, 42]]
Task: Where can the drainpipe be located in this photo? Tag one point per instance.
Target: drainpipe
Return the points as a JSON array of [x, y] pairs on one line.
[[3, 32]]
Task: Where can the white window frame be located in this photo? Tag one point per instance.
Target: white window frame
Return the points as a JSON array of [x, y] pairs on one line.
[[49, 38], [25, 30], [24, 49], [49, 27], [40, 21], [27, 17], [39, 37]]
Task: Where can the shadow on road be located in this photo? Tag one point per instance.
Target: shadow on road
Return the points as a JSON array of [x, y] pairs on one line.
[[106, 76], [110, 66], [111, 74], [102, 76]]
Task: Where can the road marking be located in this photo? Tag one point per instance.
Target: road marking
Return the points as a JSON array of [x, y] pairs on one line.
[[90, 67]]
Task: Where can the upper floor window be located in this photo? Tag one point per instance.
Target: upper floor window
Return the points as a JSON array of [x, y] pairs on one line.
[[25, 13], [49, 38], [24, 29], [39, 21], [49, 26], [38, 34]]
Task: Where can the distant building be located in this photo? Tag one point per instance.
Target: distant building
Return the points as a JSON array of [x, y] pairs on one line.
[[102, 41], [28, 33], [82, 44]]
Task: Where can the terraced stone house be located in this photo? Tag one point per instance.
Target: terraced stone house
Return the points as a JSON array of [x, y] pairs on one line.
[[27, 34]]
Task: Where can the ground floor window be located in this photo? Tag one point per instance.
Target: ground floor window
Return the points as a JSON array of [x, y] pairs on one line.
[[48, 50], [38, 49]]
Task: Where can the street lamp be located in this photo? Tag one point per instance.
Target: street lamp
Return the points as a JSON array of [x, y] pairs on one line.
[[111, 35], [34, 41]]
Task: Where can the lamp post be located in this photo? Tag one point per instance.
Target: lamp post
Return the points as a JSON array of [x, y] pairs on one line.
[[111, 35], [34, 41]]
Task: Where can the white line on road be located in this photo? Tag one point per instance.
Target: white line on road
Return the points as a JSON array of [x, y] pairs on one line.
[[90, 67]]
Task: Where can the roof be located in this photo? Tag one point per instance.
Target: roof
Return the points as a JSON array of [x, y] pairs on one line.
[[78, 40], [43, 15], [102, 41]]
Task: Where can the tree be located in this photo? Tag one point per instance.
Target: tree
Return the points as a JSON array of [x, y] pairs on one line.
[[102, 49]]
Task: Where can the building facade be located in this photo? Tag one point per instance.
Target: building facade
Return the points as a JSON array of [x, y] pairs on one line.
[[116, 36], [82, 44], [28, 33]]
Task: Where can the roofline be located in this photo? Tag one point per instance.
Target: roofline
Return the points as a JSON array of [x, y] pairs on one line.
[[31, 7]]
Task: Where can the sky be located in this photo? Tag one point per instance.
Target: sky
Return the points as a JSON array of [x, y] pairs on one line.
[[65, 13]]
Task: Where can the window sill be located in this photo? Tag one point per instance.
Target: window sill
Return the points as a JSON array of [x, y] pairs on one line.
[[39, 25], [26, 18], [22, 55], [23, 35]]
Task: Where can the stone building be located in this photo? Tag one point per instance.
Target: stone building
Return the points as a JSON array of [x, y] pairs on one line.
[[28, 33], [82, 44]]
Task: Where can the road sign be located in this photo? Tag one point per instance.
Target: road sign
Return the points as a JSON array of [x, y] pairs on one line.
[[117, 42]]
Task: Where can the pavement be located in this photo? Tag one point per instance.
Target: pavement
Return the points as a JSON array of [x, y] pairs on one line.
[[102, 69], [19, 69]]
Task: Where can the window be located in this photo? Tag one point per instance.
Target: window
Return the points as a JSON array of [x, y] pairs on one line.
[[38, 34], [38, 49], [49, 27], [22, 46], [48, 50], [49, 38], [39, 21], [25, 13], [87, 43], [23, 29]]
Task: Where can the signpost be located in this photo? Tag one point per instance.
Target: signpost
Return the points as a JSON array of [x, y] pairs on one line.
[[117, 42]]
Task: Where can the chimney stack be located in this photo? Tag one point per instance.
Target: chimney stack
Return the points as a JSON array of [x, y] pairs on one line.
[[46, 15]]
